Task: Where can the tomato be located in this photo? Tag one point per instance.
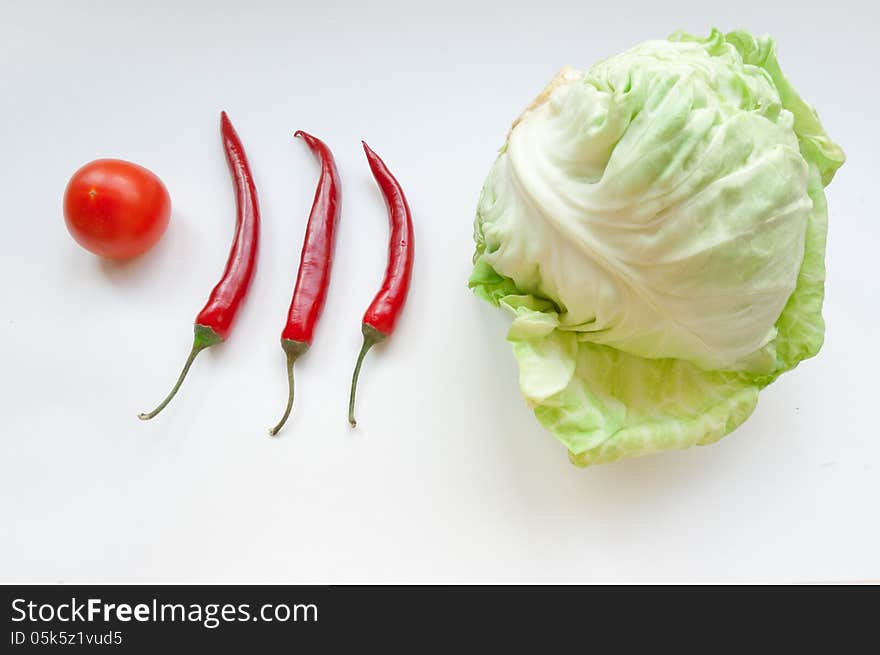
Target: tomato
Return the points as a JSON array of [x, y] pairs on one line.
[[116, 209]]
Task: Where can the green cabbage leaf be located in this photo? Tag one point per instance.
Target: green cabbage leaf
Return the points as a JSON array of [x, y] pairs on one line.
[[656, 228]]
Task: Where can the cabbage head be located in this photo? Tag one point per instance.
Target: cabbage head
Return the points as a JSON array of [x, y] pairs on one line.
[[656, 228]]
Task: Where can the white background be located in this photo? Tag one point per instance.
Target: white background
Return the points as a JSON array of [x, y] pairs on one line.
[[448, 477]]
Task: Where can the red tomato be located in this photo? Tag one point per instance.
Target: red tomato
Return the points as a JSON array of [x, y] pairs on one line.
[[116, 209]]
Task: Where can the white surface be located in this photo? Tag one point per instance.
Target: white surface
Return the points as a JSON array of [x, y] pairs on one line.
[[448, 477]]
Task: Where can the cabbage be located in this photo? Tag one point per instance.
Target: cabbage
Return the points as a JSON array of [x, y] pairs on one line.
[[656, 228]]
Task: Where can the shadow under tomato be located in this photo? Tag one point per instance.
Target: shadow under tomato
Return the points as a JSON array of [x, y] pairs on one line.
[[126, 272]]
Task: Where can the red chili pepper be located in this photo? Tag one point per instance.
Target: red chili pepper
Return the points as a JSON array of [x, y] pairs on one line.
[[214, 322], [382, 314], [315, 261]]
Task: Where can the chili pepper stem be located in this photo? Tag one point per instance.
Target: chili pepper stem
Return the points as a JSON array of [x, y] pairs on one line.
[[204, 337], [372, 336], [293, 350]]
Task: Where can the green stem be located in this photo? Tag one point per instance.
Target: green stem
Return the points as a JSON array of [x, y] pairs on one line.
[[204, 337], [293, 349], [372, 336]]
